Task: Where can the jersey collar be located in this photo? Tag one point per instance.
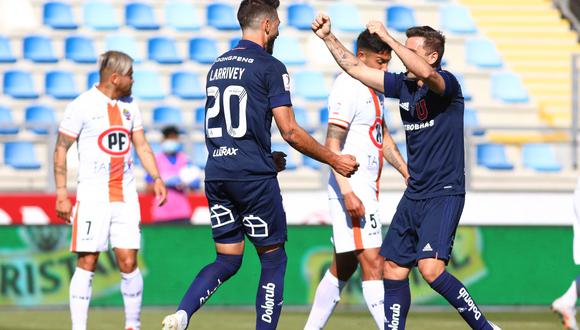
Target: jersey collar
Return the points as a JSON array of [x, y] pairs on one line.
[[249, 45]]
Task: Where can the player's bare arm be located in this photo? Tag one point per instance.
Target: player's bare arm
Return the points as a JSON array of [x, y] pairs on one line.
[[392, 154], [413, 62], [147, 157], [335, 137], [300, 140], [63, 204], [346, 59]]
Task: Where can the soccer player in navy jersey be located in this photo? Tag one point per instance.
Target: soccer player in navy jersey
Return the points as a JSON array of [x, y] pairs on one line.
[[246, 87], [423, 228]]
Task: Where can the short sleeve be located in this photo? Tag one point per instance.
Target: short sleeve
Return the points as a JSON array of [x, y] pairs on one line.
[[341, 102], [451, 84], [278, 82], [72, 122], [393, 82], [137, 120]]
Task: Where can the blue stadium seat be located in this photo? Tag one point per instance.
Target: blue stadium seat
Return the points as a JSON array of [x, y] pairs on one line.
[[471, 120], [167, 115], [400, 18], [402, 146], [39, 49], [6, 54], [58, 15], [203, 50], [493, 156], [20, 155], [200, 115], [222, 17], [300, 15], [285, 148], [61, 85], [140, 16], [187, 86], [92, 79], [39, 118], [311, 163], [19, 85], [147, 85], [457, 19], [80, 49], [163, 50], [540, 157], [234, 42], [323, 115], [508, 87], [7, 124], [310, 85], [123, 43], [199, 154], [301, 116], [100, 15], [482, 52], [467, 95], [345, 17], [182, 16], [288, 50]]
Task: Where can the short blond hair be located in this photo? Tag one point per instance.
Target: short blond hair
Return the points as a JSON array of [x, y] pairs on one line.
[[114, 61]]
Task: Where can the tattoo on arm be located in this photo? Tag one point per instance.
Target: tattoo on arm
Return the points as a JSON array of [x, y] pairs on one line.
[[390, 155], [337, 133], [64, 141], [343, 56]]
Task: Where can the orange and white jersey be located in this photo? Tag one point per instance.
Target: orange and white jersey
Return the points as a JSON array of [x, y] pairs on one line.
[[103, 129], [359, 109]]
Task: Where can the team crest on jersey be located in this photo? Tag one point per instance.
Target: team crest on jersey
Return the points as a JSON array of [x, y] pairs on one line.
[[116, 141], [127, 114]]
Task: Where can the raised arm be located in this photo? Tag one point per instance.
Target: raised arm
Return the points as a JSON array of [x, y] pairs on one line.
[[63, 204], [373, 78], [300, 140], [148, 160], [413, 62]]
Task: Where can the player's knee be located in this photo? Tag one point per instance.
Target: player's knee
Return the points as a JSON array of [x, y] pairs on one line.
[[127, 264], [372, 267], [274, 259], [430, 271], [392, 271], [87, 262], [230, 262]]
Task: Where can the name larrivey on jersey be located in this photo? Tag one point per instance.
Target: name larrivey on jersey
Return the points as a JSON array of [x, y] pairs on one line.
[[228, 72]]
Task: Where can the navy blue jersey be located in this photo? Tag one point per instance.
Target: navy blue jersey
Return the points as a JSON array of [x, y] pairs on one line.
[[243, 85], [434, 130]]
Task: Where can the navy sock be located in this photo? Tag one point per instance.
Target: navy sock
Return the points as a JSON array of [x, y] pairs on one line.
[[208, 280], [456, 294], [578, 286], [270, 289], [397, 303]]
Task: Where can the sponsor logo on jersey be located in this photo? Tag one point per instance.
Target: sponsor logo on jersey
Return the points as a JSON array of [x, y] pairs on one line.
[[463, 294], [419, 126], [394, 323], [127, 114], [116, 141], [286, 80], [404, 106], [225, 151], [268, 305]]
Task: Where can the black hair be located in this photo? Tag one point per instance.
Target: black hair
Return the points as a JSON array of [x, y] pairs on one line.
[[372, 42], [434, 40], [169, 130], [251, 11]]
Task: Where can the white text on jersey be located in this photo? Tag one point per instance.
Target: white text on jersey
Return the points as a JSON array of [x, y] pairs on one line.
[[226, 73], [225, 151]]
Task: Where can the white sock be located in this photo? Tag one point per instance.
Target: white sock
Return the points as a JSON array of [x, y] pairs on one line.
[[325, 300], [81, 288], [132, 291], [374, 296], [572, 294]]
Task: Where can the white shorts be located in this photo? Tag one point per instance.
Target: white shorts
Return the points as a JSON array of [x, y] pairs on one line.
[[349, 235], [577, 227], [94, 224]]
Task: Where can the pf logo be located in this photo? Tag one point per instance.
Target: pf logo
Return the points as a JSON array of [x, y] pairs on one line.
[[115, 141]]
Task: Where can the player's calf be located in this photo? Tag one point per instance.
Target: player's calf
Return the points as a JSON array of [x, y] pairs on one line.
[[269, 298]]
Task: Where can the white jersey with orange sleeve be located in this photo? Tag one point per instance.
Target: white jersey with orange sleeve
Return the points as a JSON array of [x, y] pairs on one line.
[[103, 129], [359, 109]]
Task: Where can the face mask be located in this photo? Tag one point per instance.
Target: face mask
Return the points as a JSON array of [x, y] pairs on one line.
[[170, 146]]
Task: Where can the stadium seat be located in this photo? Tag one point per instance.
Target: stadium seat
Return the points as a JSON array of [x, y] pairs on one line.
[[140, 16], [311, 163], [301, 116], [39, 118], [167, 115], [147, 85], [100, 15], [6, 54], [7, 124], [285, 148], [222, 17], [39, 49], [199, 118], [471, 121], [300, 15], [402, 146], [58, 15], [61, 85], [163, 50], [80, 49], [457, 19], [482, 52], [92, 79], [323, 115], [345, 17], [20, 155], [493, 156], [123, 43], [234, 42], [187, 86], [288, 50], [508, 87], [400, 18], [310, 85], [182, 16], [540, 157], [199, 155], [19, 85], [203, 50], [464, 88]]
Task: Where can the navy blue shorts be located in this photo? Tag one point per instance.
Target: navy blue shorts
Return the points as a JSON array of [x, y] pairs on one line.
[[423, 229], [251, 208]]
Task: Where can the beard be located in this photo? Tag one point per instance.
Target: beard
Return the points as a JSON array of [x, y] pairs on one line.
[[270, 45]]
